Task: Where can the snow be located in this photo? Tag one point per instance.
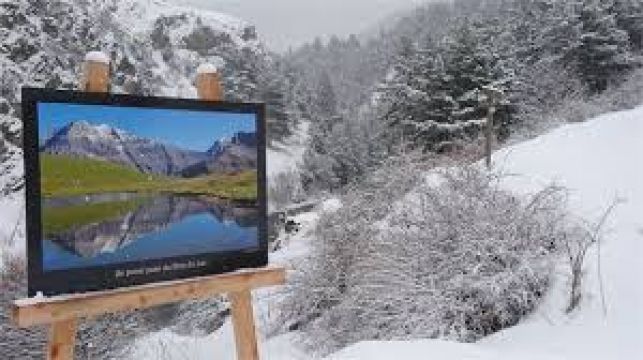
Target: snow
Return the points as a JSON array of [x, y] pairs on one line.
[[207, 68], [104, 129], [12, 226], [142, 14], [595, 160], [287, 155], [331, 205], [97, 56], [428, 349]]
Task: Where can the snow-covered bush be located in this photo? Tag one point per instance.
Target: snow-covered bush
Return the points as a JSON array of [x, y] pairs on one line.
[[457, 257], [625, 95], [320, 282]]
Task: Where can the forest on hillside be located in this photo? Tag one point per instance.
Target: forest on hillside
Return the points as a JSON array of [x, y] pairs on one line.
[[416, 83]]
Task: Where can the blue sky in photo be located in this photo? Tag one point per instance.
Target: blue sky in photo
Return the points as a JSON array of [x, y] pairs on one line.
[[187, 129]]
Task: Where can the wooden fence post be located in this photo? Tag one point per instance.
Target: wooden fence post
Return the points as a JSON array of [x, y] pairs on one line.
[[489, 134], [492, 98]]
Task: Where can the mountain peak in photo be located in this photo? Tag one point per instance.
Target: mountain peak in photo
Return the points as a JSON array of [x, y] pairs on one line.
[[104, 142], [232, 154]]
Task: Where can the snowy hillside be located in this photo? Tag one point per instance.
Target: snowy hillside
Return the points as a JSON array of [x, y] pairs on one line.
[[595, 160], [155, 47]]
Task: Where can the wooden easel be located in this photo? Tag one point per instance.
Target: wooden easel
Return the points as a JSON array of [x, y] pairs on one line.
[[63, 312]]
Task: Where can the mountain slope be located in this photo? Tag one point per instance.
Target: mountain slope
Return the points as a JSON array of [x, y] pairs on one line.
[[592, 159], [155, 47]]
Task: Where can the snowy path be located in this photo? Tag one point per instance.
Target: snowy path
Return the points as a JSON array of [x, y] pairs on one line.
[[597, 160]]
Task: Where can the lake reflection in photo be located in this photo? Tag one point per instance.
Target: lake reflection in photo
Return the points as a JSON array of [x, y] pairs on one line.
[[96, 230]]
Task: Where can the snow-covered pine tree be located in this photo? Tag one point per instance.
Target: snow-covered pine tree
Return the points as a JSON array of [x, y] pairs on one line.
[[469, 69], [274, 90], [416, 98], [604, 50], [629, 17], [318, 164], [432, 94]]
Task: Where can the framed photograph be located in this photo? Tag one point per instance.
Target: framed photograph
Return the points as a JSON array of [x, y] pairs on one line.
[[124, 190]]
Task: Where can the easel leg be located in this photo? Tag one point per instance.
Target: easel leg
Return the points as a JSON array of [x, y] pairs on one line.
[[62, 338], [244, 325]]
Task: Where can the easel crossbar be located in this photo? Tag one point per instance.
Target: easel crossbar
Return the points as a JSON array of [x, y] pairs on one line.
[[47, 310]]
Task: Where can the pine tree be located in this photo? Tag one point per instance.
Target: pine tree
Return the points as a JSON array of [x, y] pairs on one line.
[[416, 96], [603, 53], [629, 17], [277, 117], [326, 102], [469, 70]]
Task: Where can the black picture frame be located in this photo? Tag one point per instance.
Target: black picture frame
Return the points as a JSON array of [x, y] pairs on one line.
[[75, 280]]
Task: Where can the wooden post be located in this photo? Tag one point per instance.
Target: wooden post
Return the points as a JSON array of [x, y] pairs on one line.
[[95, 77], [491, 97], [209, 88], [489, 134], [62, 336], [245, 334], [208, 83]]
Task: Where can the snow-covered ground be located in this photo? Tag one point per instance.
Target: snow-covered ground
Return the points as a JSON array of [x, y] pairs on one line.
[[599, 161]]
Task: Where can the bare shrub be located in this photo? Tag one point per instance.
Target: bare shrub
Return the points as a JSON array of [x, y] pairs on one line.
[[576, 249], [622, 96], [457, 258], [545, 87]]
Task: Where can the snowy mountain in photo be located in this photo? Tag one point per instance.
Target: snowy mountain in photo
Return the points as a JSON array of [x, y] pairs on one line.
[[106, 143], [236, 153], [103, 142]]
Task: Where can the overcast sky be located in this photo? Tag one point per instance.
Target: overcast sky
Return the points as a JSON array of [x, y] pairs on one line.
[[285, 23]]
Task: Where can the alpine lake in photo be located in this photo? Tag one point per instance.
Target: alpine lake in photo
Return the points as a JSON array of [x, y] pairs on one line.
[[95, 230], [101, 210]]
